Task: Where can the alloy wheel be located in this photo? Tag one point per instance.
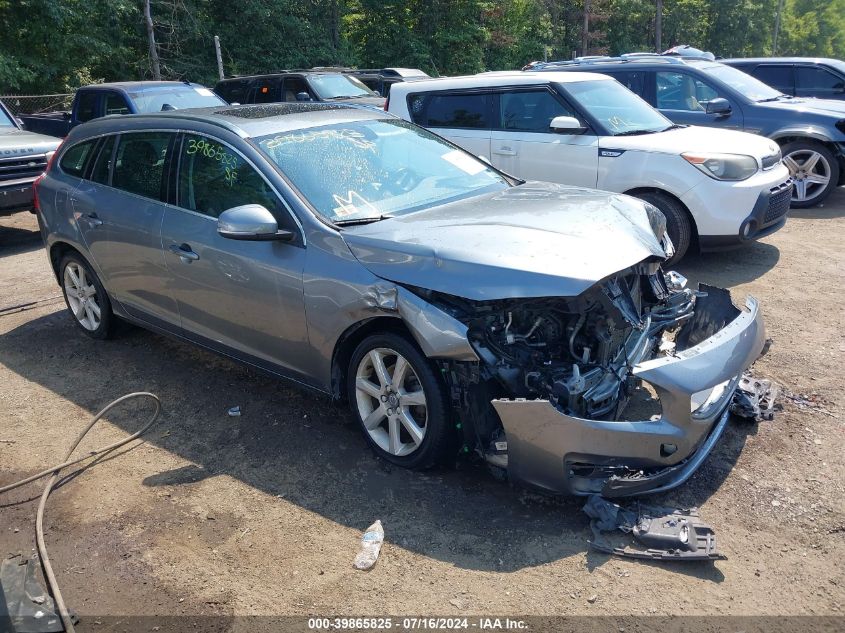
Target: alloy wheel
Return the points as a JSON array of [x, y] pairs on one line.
[[82, 296], [810, 173], [391, 401]]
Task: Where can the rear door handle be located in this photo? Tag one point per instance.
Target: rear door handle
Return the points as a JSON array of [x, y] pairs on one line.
[[92, 219], [185, 253], [504, 151]]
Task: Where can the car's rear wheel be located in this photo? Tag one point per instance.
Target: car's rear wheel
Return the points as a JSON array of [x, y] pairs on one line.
[[814, 171], [86, 298], [678, 224], [399, 401]]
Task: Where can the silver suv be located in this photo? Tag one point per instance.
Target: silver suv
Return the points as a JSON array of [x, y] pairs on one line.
[[455, 308]]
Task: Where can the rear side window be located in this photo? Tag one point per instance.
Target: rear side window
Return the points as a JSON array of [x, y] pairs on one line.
[[86, 107], [455, 110], [214, 178], [233, 91], [75, 158], [633, 80], [778, 77], [139, 164], [265, 91], [102, 167], [818, 82], [529, 111]]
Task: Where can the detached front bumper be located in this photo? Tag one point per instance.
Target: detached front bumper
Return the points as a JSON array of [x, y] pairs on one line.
[[565, 454]]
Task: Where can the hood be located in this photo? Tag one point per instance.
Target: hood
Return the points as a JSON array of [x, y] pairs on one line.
[[694, 139], [823, 107], [369, 101], [15, 142], [534, 240]]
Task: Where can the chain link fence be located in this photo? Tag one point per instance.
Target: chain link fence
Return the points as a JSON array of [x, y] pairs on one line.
[[36, 104]]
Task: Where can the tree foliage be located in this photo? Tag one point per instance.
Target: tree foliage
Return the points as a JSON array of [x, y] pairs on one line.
[[56, 45]]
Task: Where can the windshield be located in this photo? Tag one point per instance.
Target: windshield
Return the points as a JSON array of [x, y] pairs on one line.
[[745, 84], [364, 170], [618, 109], [335, 86], [176, 97], [5, 121]]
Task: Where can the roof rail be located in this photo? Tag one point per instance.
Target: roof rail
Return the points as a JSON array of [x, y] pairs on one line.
[[621, 59]]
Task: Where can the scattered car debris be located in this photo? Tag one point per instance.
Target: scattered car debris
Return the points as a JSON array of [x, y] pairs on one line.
[[234, 412], [754, 398], [665, 533], [808, 401], [26, 605], [370, 546]]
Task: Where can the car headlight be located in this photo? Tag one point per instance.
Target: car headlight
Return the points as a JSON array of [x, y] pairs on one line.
[[724, 166]]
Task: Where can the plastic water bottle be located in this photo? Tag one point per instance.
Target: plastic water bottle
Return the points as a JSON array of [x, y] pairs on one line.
[[371, 542]]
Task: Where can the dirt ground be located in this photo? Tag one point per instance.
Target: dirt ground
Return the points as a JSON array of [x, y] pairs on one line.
[[262, 514]]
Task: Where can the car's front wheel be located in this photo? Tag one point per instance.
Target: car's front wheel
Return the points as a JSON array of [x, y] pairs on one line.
[[814, 171], [399, 401], [86, 298], [678, 224]]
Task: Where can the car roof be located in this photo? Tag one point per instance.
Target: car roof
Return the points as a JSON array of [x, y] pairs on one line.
[[496, 78], [782, 60], [623, 61], [283, 73], [140, 86], [246, 121]]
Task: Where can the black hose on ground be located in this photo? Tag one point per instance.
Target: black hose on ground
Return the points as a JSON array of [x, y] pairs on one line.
[[54, 470]]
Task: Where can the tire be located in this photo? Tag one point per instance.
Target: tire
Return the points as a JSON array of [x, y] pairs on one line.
[[387, 428], [85, 297], [678, 222], [815, 184]]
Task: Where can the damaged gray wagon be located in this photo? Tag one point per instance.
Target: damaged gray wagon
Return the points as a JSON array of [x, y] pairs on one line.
[[454, 307]]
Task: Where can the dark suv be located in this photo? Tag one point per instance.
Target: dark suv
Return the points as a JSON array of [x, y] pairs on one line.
[[797, 76], [811, 132], [381, 79], [290, 86]]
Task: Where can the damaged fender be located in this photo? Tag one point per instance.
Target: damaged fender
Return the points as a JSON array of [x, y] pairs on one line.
[[566, 454]]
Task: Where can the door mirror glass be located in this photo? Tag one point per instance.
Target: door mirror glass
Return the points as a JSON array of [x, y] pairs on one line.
[[566, 124], [303, 96], [250, 222], [718, 106]]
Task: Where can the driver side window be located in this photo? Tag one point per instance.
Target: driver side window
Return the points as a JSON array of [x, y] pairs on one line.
[[679, 91], [214, 178]]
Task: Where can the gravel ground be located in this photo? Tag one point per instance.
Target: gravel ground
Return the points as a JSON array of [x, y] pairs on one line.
[[261, 514]]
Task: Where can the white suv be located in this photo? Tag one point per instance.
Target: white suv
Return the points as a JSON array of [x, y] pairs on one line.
[[717, 188]]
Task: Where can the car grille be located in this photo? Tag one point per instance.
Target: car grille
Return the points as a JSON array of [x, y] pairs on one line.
[[779, 200], [22, 167], [771, 161]]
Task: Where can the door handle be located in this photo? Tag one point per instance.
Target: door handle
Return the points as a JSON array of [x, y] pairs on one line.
[[92, 219], [504, 151], [185, 253]]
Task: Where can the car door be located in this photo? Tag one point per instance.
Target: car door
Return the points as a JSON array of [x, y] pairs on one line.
[[239, 297], [120, 207], [523, 144], [464, 117], [683, 97]]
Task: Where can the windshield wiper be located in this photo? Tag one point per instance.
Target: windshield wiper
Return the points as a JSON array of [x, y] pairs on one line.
[[635, 132], [355, 221], [674, 126], [779, 97]]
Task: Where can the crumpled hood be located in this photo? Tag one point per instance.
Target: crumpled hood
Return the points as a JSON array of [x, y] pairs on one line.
[[534, 240], [15, 142], [694, 139]]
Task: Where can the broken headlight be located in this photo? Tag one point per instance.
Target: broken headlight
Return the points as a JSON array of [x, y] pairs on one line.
[[724, 166]]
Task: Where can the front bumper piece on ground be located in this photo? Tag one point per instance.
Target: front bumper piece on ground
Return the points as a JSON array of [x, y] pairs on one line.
[[564, 454]]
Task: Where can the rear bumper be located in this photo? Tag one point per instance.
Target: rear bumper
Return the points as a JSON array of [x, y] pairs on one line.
[[564, 454], [14, 198], [767, 216]]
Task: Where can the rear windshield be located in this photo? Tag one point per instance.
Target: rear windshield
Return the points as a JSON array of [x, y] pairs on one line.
[[339, 87], [175, 98]]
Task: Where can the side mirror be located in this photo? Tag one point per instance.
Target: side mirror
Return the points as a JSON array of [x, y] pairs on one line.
[[167, 107], [566, 125], [66, 116], [19, 121], [303, 96], [718, 106], [251, 222], [377, 93]]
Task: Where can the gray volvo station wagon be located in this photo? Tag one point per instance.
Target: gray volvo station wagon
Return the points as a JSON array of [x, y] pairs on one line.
[[454, 307]]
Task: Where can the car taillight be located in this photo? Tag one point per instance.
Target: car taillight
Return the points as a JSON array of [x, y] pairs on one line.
[[51, 157]]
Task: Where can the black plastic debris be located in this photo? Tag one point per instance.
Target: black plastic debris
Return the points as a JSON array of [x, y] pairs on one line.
[[25, 607], [754, 398], [651, 532]]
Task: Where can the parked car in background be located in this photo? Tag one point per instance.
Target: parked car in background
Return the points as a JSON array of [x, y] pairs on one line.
[[717, 188], [23, 157], [453, 307], [380, 80], [691, 90], [128, 97], [797, 76], [292, 86]]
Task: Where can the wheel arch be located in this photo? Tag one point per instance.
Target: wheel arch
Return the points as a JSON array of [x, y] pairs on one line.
[[784, 138], [352, 337], [57, 252], [638, 190]]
